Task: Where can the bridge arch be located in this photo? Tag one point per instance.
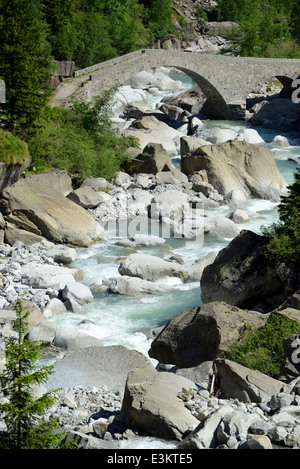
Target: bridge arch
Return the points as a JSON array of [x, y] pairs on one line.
[[227, 81], [215, 105]]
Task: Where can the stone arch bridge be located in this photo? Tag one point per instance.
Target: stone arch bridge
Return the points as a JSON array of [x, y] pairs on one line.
[[225, 80]]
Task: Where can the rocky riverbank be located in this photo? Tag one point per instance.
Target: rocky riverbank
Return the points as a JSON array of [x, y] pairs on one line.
[[193, 397]]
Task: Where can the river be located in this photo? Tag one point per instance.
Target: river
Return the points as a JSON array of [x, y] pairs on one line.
[[118, 320]]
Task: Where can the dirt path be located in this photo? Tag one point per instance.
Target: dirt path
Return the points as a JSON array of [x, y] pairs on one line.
[[65, 91]]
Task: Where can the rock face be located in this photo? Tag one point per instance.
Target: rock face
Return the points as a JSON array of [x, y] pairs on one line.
[[153, 159], [14, 158], [191, 100], [151, 402], [241, 275], [9, 174], [238, 165], [37, 204], [278, 113], [246, 385], [201, 334]]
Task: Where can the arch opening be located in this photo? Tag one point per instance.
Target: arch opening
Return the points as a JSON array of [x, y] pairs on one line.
[[214, 107], [270, 104]]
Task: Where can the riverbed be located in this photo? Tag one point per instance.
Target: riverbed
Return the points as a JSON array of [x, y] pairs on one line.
[[121, 320]]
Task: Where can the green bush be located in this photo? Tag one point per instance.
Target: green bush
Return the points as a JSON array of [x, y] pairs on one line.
[[262, 349], [80, 141]]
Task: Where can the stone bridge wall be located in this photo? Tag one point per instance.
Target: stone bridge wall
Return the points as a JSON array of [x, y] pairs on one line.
[[225, 80]]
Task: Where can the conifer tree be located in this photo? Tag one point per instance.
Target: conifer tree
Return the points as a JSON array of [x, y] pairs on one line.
[[25, 60], [285, 235], [23, 412]]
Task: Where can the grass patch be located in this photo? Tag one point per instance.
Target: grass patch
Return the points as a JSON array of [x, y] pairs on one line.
[[12, 149]]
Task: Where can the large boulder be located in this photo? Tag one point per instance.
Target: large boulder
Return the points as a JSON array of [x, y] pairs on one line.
[[161, 134], [239, 382], [72, 339], [76, 296], [151, 402], [38, 205], [170, 205], [201, 334], [241, 275], [204, 436], [153, 159], [46, 276], [134, 286], [280, 113], [97, 366], [62, 254], [87, 197], [191, 100], [239, 165], [190, 143], [151, 268], [38, 327], [218, 135]]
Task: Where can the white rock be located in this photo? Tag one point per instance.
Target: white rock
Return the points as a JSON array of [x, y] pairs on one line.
[[250, 136], [218, 135], [280, 141], [147, 240], [204, 436], [76, 291], [171, 204], [196, 126], [72, 339], [54, 307], [239, 216], [62, 254], [236, 198], [134, 286], [46, 276], [150, 268], [221, 226]]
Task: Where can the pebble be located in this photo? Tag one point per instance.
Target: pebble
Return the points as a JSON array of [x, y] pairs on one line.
[[275, 426]]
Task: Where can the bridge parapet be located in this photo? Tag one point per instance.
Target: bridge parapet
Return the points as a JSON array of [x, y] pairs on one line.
[[225, 80]]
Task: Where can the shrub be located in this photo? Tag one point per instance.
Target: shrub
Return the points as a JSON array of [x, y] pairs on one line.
[[262, 349], [12, 149], [79, 140]]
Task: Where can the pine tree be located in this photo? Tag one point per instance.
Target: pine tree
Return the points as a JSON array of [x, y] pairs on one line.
[[59, 15], [22, 414], [160, 17], [25, 60], [285, 235]]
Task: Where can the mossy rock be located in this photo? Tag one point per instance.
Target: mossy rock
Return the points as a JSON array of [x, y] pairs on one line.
[[12, 149]]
